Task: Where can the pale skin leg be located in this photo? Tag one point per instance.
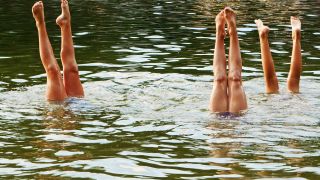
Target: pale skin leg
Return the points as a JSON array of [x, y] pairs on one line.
[[296, 59], [219, 97], [237, 97], [270, 77], [72, 83], [55, 88]]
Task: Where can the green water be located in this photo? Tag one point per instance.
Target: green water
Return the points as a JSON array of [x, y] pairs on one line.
[[146, 67]]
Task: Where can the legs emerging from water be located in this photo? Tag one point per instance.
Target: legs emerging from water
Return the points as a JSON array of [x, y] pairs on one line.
[[57, 87], [71, 79], [270, 76], [237, 97], [219, 96], [296, 59], [267, 61], [228, 94]]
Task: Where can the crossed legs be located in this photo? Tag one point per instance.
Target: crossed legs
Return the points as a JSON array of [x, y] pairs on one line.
[[58, 88], [227, 94], [271, 81]]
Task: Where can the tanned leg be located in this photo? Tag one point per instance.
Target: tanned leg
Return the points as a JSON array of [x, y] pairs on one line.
[[55, 88], [71, 78], [270, 76], [237, 97], [219, 97], [296, 59]]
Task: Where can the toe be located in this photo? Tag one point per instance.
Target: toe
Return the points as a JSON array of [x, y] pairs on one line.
[[39, 3]]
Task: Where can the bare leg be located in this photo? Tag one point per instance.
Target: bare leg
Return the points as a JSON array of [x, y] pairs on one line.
[[270, 76], [219, 97], [237, 97], [55, 88], [71, 79], [296, 59]]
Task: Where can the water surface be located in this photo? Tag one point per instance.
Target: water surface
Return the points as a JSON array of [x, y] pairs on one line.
[[146, 69]]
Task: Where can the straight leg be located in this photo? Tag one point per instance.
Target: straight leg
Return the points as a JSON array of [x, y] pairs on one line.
[[72, 83], [296, 59], [237, 97], [55, 87], [270, 77], [219, 97]]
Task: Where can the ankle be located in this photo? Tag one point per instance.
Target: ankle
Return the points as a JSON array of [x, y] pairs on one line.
[[264, 33], [232, 31], [65, 27], [296, 35], [220, 34], [40, 24]]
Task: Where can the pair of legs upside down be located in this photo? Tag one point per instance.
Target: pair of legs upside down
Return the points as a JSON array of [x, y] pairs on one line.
[[58, 87], [228, 94]]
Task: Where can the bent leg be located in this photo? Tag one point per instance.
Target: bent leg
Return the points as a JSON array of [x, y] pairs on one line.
[[219, 97], [71, 78], [55, 88], [296, 59], [270, 76], [237, 97]]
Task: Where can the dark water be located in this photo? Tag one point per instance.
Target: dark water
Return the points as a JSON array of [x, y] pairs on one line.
[[146, 69]]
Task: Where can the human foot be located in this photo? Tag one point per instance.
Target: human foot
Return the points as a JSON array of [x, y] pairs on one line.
[[262, 29], [230, 17], [220, 24], [64, 18], [296, 27], [37, 11]]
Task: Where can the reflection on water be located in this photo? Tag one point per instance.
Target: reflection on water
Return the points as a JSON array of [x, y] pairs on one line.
[[141, 125], [146, 68]]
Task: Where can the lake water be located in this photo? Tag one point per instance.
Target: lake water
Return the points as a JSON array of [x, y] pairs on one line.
[[146, 67]]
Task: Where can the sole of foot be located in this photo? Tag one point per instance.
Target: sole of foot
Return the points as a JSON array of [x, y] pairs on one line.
[[37, 11], [296, 27], [65, 17], [262, 29]]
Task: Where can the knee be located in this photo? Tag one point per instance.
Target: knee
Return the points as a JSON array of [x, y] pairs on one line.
[[220, 79], [53, 70], [72, 68], [235, 77]]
